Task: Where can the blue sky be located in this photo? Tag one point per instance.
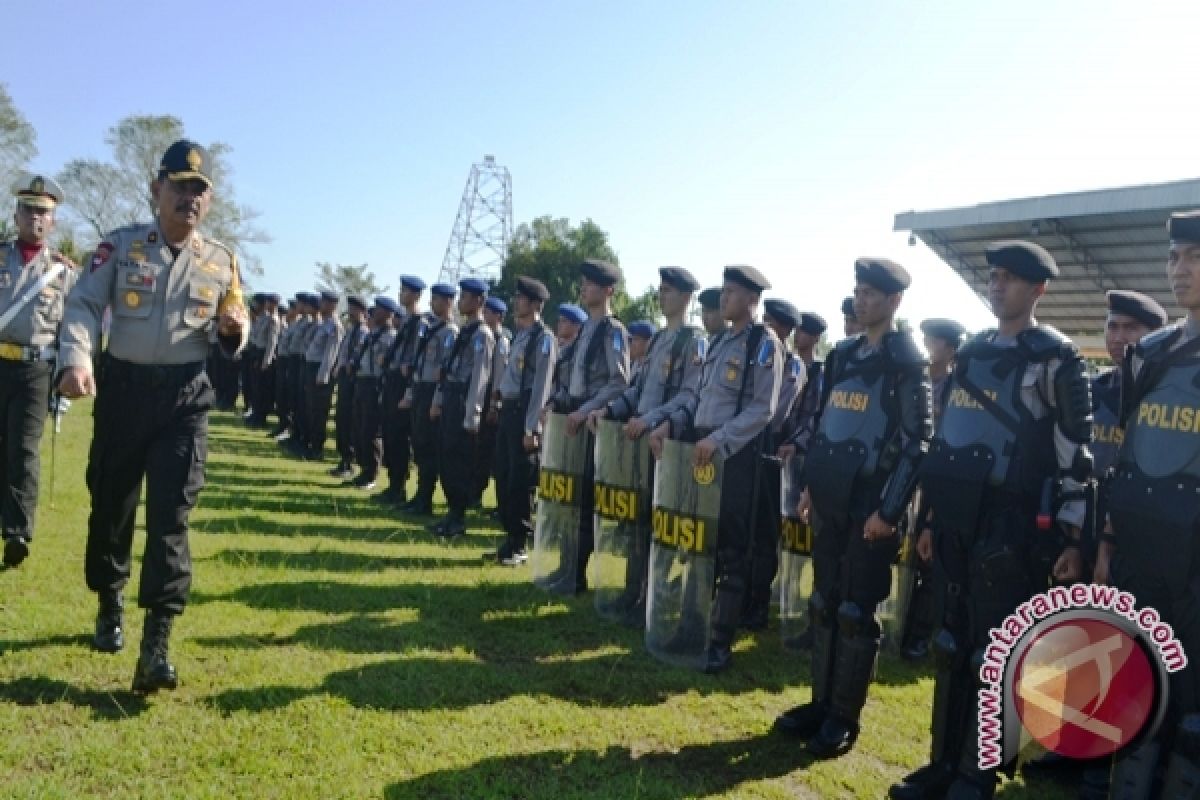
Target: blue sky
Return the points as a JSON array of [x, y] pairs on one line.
[[784, 135]]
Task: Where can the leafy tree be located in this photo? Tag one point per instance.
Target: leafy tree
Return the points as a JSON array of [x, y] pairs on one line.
[[346, 279], [18, 140], [644, 306]]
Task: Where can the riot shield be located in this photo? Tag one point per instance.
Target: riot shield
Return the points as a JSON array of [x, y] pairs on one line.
[[622, 512], [894, 612], [556, 532], [795, 560], [687, 502]]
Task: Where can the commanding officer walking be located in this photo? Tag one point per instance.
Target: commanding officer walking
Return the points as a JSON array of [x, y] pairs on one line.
[[597, 373], [493, 317], [437, 335], [459, 405], [357, 331], [860, 472], [167, 286], [726, 415], [1017, 420], [524, 389], [34, 281], [1149, 547], [369, 361], [397, 380]]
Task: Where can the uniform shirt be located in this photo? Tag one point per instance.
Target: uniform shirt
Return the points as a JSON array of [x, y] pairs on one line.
[[431, 350], [794, 377], [283, 349], [323, 348], [36, 324], [713, 404], [467, 367], [536, 378], [940, 391], [271, 339], [662, 377], [500, 355], [562, 371], [370, 361], [300, 334], [404, 347], [594, 385], [258, 327], [163, 305], [351, 341], [799, 428]]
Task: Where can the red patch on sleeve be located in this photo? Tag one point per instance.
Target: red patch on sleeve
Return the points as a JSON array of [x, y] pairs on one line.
[[104, 251]]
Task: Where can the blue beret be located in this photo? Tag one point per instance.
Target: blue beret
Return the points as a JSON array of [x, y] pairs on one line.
[[443, 290], [1184, 226], [258, 297], [273, 297], [329, 297], [474, 286], [532, 288], [643, 328], [710, 299], [600, 272], [308, 298], [946, 329], [572, 313], [883, 274], [783, 311], [1145, 310], [747, 276], [1026, 260], [679, 278], [812, 324], [357, 301], [412, 283], [385, 302], [495, 304]]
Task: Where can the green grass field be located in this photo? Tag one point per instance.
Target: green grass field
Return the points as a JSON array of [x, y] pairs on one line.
[[333, 650]]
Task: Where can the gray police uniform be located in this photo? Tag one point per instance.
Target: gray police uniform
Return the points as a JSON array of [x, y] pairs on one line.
[[343, 413], [368, 422], [397, 421], [320, 358], [283, 377], [437, 338], [462, 397], [266, 345], [152, 401], [485, 445], [304, 327], [673, 364]]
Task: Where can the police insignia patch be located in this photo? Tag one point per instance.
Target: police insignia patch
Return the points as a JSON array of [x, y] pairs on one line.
[[478, 344], [133, 299], [152, 237], [731, 374], [104, 251], [546, 344], [766, 353], [794, 368], [701, 349], [705, 475], [194, 160], [618, 341]]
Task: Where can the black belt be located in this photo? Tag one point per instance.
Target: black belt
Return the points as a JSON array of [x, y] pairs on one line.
[[151, 375]]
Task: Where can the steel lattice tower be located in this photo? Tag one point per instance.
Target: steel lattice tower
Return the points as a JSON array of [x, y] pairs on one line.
[[479, 242]]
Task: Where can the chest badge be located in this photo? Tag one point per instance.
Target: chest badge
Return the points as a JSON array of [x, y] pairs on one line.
[[133, 299]]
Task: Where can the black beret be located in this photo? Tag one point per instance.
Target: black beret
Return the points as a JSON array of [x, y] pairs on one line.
[[812, 324], [600, 272], [710, 299], [946, 329], [258, 297], [678, 277], [747, 276], [1023, 259], [848, 308], [782, 311], [357, 301], [533, 288], [328, 296], [1137, 305], [1184, 226], [885, 275]]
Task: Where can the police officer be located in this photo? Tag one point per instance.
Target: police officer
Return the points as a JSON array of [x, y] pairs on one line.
[[266, 347], [283, 378], [34, 282], [1017, 419], [726, 415], [782, 318], [672, 366], [598, 371], [436, 338], [318, 385], [860, 472], [167, 285], [710, 313], [493, 316], [850, 324], [524, 388], [370, 361], [397, 379], [357, 331], [459, 405], [570, 321], [249, 358], [1149, 545], [306, 328], [640, 334]]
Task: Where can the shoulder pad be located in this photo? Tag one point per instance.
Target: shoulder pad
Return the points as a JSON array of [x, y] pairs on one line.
[[1045, 341], [844, 346], [902, 349], [1157, 342]]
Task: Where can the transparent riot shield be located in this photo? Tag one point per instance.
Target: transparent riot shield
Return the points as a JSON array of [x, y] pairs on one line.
[[556, 532], [687, 501], [795, 560], [895, 611], [618, 568]]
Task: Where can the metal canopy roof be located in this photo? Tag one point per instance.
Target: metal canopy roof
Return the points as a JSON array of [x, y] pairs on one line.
[[1105, 239]]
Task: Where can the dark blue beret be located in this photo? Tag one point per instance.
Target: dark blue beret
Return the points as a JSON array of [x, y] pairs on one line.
[[495, 305], [329, 297], [946, 329], [1024, 259], [258, 297], [385, 302], [533, 288], [1145, 310], [747, 276], [885, 275], [443, 290], [679, 278], [783, 311], [811, 323], [600, 272], [412, 283], [474, 286], [572, 313], [273, 297], [357, 301], [643, 328], [710, 299]]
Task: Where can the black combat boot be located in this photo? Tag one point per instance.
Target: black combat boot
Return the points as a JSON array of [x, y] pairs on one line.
[[110, 624], [154, 672]]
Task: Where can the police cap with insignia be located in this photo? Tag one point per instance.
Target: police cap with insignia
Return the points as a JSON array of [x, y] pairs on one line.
[[572, 313], [1137, 305], [782, 311], [812, 324], [495, 305], [1026, 260], [848, 308], [388, 304], [329, 296], [746, 276], [185, 160], [883, 274], [37, 191], [600, 272], [357, 300], [946, 329], [678, 278], [412, 283], [533, 288], [710, 299], [1184, 226], [443, 290], [474, 286], [643, 329]]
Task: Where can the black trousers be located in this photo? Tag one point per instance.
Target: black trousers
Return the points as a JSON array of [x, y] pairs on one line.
[[733, 542], [485, 459], [368, 446], [224, 375], [299, 401], [516, 475], [151, 423], [264, 390], [764, 562], [320, 400], [424, 440], [24, 388], [456, 447], [587, 510], [251, 358], [397, 428], [343, 418]]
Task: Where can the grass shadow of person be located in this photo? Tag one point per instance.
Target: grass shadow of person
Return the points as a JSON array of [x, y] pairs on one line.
[[39, 691]]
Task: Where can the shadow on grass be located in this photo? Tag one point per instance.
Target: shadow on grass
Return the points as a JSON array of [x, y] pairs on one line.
[[46, 691], [65, 640], [338, 561]]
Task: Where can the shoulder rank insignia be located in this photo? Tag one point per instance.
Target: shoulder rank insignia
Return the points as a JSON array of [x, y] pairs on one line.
[[766, 352], [618, 342]]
